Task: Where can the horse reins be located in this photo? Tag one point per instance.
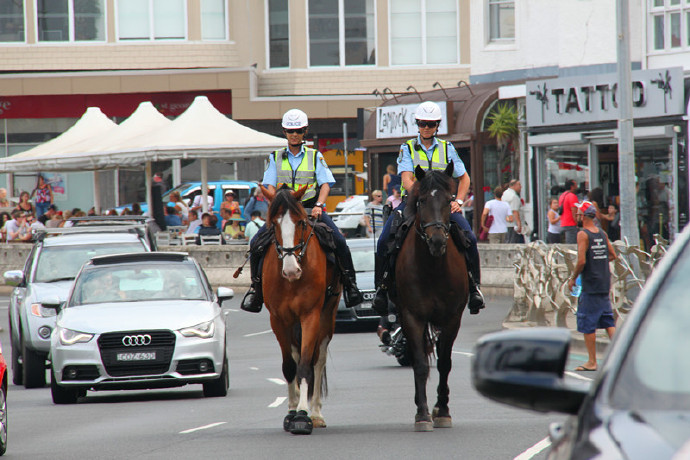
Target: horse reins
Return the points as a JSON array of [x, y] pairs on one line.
[[421, 228], [282, 251]]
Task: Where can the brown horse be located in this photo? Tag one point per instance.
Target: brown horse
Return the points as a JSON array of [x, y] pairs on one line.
[[432, 289], [301, 292]]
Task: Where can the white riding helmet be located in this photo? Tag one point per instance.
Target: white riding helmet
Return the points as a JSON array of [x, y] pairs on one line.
[[295, 119], [428, 111]]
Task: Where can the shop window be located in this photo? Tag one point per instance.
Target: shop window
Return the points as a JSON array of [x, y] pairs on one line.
[[424, 32], [11, 21], [341, 33], [501, 20], [213, 20], [70, 20], [278, 33], [151, 19], [669, 24]]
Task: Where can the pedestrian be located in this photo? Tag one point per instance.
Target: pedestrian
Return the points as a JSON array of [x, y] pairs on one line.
[[44, 195], [295, 166], [553, 233], [230, 204], [254, 225], [194, 223], [390, 180], [566, 204], [171, 217], [512, 196], [594, 251], [232, 227], [468, 207], [208, 227], [501, 213], [395, 199], [373, 215], [17, 229], [613, 218], [257, 202], [197, 204], [4, 202], [181, 206], [24, 204]]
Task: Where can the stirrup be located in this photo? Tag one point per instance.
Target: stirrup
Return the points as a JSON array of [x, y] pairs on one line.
[[353, 296], [251, 301], [476, 301], [380, 304]]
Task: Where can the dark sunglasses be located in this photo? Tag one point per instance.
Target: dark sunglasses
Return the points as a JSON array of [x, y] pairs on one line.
[[296, 131], [427, 124]]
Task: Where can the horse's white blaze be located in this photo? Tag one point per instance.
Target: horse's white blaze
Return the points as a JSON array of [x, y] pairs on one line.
[[303, 395], [433, 192], [291, 269]]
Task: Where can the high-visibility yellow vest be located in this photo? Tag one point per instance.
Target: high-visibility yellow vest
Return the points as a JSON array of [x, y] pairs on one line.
[[305, 174], [439, 157]]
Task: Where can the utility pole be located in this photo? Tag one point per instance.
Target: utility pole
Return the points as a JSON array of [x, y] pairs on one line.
[[347, 185], [626, 142]]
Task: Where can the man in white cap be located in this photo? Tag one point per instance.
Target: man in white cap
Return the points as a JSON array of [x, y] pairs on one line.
[[430, 153], [297, 166]]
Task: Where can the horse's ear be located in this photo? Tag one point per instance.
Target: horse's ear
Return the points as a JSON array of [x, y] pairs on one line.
[[267, 193], [449, 169], [419, 173], [299, 193]]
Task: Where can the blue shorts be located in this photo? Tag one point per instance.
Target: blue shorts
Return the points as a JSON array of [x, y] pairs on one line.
[[594, 312]]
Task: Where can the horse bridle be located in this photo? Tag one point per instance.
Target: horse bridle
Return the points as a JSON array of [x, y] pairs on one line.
[[421, 228], [282, 251]]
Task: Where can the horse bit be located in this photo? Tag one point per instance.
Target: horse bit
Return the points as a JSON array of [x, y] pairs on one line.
[[282, 251]]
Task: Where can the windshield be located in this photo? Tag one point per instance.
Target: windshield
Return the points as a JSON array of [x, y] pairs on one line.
[[656, 371], [56, 263], [138, 282], [363, 258]]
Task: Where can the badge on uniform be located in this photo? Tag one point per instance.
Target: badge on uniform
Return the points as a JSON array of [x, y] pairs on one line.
[[323, 162], [400, 157]]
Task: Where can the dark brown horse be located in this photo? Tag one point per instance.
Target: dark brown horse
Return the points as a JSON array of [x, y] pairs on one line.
[[432, 289], [296, 278]]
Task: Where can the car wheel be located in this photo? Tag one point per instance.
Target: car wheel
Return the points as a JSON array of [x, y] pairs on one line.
[[17, 369], [3, 417], [62, 395], [34, 366], [218, 387]]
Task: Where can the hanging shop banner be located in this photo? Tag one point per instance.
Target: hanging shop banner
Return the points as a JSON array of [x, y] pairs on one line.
[[398, 121], [594, 98]]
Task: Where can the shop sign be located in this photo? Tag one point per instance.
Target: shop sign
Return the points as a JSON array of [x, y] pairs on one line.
[[398, 121], [594, 98]]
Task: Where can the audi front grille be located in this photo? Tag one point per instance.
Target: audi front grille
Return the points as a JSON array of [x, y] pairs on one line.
[[133, 344]]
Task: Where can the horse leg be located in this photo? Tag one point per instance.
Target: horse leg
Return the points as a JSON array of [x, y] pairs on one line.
[[319, 374], [284, 336], [414, 332], [444, 349], [302, 424]]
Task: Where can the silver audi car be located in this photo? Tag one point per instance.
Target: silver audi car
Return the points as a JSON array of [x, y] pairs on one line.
[[138, 321]]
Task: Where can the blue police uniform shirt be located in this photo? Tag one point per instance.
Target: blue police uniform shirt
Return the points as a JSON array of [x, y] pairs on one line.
[[323, 173], [405, 158]]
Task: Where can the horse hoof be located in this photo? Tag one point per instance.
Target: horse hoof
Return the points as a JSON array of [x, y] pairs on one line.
[[288, 420], [318, 422], [423, 426], [301, 423], [443, 422]]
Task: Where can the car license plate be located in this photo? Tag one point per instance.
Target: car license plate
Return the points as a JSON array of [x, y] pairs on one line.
[[141, 356], [366, 306]]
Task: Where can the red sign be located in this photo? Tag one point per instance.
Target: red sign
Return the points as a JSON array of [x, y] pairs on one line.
[[113, 105]]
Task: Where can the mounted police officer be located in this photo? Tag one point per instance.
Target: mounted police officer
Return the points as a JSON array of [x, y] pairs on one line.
[[297, 166], [430, 153]]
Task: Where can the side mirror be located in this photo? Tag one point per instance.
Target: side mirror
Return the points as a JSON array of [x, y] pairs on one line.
[[52, 303], [224, 293], [14, 277], [525, 368]]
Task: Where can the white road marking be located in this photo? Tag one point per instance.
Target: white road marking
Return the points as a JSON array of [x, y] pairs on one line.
[[463, 353], [534, 450], [578, 376], [279, 400], [205, 427], [258, 333], [277, 381], [232, 309], [254, 368]]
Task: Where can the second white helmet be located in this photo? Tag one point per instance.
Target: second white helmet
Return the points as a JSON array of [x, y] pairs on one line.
[[295, 119], [428, 111]]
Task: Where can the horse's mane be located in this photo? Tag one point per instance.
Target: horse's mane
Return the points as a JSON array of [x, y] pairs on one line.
[[433, 180], [282, 201]]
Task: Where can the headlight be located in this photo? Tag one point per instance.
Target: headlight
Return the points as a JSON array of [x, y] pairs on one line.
[[70, 337], [203, 330], [39, 310]]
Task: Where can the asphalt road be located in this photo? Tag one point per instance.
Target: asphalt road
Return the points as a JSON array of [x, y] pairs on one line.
[[369, 410]]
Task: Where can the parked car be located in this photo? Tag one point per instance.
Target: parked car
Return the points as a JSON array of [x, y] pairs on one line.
[[352, 210], [49, 271], [140, 320], [363, 251], [3, 404], [189, 190], [638, 407]]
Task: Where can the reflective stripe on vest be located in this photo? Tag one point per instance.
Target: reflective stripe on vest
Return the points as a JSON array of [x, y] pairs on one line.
[[419, 157], [305, 174]]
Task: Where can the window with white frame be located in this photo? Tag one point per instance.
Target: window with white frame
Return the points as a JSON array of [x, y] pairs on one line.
[[501, 20], [669, 24], [423, 32], [278, 34], [70, 20], [342, 33], [151, 19], [213, 20], [11, 21]]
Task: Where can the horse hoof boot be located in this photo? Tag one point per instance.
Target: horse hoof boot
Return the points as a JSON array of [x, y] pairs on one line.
[[301, 423], [423, 426], [288, 419], [443, 422], [318, 422]]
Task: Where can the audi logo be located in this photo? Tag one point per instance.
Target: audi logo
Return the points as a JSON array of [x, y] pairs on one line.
[[136, 340], [368, 295]]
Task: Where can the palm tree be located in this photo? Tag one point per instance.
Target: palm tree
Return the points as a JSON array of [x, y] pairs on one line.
[[504, 120]]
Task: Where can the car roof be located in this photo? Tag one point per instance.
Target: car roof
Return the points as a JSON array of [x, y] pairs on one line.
[[138, 257], [103, 236]]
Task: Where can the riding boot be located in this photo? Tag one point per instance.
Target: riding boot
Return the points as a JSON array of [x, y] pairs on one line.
[[381, 280], [254, 299], [353, 296], [476, 301]]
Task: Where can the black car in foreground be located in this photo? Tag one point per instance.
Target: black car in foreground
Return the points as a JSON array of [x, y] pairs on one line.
[[638, 407]]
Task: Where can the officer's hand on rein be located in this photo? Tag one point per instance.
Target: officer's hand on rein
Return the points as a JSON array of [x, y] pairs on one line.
[[316, 212], [455, 206]]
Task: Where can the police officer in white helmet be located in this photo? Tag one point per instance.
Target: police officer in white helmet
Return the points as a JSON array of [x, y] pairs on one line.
[[429, 152], [296, 166]]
